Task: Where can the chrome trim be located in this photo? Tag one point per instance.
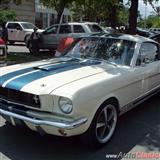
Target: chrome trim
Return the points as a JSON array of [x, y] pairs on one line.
[[19, 104], [139, 100], [55, 123]]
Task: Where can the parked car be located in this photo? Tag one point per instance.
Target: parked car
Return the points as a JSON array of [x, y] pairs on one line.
[[154, 30], [19, 31], [51, 37], [144, 32], [83, 93], [3, 50], [155, 37]]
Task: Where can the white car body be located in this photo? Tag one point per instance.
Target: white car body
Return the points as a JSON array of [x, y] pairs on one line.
[[87, 86], [17, 32]]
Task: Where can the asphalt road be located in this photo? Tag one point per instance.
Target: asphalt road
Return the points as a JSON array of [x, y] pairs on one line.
[[138, 130]]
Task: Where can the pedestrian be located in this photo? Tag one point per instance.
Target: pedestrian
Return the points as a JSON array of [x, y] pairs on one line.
[[4, 33], [34, 39]]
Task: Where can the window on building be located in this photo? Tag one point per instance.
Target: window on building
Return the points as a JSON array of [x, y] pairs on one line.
[[39, 20]]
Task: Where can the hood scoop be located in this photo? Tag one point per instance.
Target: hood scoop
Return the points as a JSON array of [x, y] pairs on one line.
[[65, 64]]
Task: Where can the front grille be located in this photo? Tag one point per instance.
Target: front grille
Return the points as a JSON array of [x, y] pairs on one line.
[[20, 97]]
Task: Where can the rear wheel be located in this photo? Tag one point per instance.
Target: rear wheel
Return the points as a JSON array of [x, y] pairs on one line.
[[102, 127]]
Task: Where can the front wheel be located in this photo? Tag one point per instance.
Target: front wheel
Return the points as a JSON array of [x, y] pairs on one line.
[[102, 127], [34, 51], [26, 40]]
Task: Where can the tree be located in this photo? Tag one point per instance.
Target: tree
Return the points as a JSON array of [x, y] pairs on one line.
[[133, 15], [5, 13], [98, 10], [59, 6], [155, 8]]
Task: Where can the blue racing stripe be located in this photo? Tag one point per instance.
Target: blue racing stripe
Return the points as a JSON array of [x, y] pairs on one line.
[[20, 82], [8, 76]]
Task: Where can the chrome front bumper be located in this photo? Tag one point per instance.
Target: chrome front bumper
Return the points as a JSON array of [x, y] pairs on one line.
[[38, 122]]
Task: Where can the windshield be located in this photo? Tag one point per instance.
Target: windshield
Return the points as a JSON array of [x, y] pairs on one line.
[[27, 25], [113, 50]]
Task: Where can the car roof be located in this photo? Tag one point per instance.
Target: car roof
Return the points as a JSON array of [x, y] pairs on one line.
[[71, 23], [135, 38], [17, 22]]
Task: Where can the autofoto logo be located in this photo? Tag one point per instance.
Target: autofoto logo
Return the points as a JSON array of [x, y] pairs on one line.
[[136, 155]]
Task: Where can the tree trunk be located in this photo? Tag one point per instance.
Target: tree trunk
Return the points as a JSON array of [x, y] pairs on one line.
[[113, 17], [60, 12], [133, 15]]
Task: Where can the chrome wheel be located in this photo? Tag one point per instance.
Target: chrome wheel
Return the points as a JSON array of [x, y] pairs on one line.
[[106, 123]]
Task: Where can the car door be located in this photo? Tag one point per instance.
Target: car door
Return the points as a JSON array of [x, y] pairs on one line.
[[149, 64], [64, 31], [78, 30], [11, 31], [15, 32], [49, 37], [20, 34]]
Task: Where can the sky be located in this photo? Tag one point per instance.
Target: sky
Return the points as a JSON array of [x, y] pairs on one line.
[[143, 8]]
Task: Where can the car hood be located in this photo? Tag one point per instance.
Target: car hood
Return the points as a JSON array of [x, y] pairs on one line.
[[31, 30], [44, 77]]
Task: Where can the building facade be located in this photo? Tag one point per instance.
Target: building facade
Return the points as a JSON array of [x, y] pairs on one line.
[[33, 11], [25, 11], [46, 16]]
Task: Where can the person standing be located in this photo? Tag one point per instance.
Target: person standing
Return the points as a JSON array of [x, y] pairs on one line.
[[34, 39], [4, 33]]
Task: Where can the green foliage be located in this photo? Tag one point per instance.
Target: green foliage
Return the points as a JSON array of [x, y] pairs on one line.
[[7, 15], [153, 21], [97, 10]]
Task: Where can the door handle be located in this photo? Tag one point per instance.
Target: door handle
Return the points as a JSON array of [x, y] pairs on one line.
[[11, 31]]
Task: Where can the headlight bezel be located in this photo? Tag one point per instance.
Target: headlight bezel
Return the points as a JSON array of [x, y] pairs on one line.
[[65, 105]]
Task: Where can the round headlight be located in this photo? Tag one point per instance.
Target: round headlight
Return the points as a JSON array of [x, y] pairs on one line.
[[65, 105]]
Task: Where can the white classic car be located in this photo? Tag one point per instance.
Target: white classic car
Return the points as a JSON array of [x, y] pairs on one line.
[[83, 93]]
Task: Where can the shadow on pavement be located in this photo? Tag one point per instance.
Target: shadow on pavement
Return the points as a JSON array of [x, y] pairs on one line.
[[133, 128]]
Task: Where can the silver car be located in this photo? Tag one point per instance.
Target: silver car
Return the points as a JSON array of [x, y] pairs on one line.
[[51, 37]]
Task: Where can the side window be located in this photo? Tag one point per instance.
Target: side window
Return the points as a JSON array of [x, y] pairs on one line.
[[65, 29], [52, 30], [11, 26], [17, 26], [148, 53], [78, 29], [94, 28]]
